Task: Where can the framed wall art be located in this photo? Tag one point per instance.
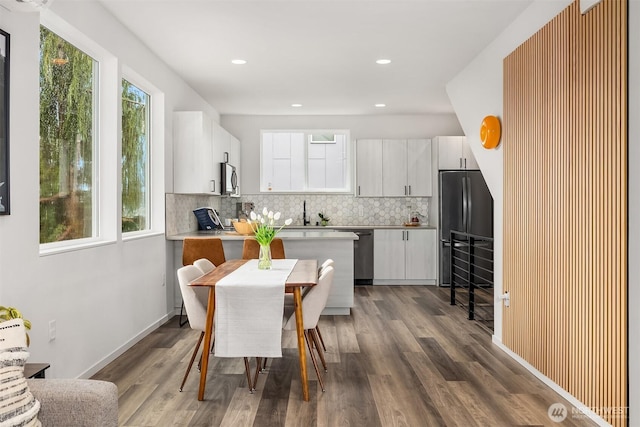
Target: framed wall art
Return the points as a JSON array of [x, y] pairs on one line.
[[4, 123]]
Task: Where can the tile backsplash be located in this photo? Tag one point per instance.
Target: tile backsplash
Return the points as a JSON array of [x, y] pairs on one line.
[[179, 217], [341, 209]]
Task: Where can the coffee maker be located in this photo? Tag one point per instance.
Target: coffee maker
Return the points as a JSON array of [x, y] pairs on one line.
[[244, 209]]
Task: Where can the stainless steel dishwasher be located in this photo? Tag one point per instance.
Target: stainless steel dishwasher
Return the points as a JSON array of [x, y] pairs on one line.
[[362, 256]]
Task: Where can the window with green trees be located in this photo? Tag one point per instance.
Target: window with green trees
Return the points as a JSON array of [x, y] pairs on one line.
[[67, 140], [135, 158]]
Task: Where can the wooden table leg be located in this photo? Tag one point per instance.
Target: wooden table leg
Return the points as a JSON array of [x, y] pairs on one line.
[[208, 330], [297, 299]]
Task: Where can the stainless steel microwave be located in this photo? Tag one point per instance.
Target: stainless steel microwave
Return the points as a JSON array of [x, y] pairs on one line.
[[229, 179]]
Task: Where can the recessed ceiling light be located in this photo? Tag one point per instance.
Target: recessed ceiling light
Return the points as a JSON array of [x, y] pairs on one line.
[[383, 61], [238, 61], [380, 105], [296, 105]]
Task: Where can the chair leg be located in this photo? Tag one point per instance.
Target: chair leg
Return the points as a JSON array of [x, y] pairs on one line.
[[312, 332], [258, 366], [193, 357], [180, 322], [321, 340], [213, 340], [313, 358], [247, 371]]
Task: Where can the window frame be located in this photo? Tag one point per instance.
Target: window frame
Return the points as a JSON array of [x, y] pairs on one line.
[[155, 157], [307, 139], [133, 80], [100, 57], [107, 179]]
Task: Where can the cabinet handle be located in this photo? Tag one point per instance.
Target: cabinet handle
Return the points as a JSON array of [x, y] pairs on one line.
[[460, 162], [405, 190], [358, 190], [409, 190], [213, 185], [465, 163], [407, 235]]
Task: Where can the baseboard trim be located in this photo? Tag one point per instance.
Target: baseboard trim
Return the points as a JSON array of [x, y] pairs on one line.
[[126, 346], [584, 410]]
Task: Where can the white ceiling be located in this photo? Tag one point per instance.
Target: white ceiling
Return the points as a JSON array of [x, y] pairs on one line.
[[319, 53]]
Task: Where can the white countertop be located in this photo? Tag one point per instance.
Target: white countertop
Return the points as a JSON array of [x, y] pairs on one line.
[[361, 227], [317, 233]]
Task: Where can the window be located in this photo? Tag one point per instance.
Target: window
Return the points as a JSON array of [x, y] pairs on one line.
[[305, 161], [135, 158], [68, 81]]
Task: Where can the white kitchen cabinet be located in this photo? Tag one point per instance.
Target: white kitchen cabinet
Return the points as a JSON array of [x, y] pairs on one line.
[[419, 176], [394, 167], [404, 256], [195, 165], [369, 167], [454, 153]]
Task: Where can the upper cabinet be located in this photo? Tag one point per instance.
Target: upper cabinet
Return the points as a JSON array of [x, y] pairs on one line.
[[419, 167], [195, 169], [393, 167], [199, 147], [369, 167], [454, 153]]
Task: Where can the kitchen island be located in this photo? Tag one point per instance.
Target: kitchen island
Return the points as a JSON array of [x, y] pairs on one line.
[[315, 244]]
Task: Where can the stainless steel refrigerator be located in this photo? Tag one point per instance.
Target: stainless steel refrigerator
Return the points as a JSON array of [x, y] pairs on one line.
[[466, 205]]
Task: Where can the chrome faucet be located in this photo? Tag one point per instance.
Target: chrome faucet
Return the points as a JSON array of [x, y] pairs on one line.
[[305, 221]]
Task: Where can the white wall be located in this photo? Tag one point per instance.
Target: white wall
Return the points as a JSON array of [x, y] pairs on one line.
[[247, 130], [477, 92], [103, 298]]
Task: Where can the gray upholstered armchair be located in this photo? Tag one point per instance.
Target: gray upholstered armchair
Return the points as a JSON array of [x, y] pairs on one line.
[[76, 402]]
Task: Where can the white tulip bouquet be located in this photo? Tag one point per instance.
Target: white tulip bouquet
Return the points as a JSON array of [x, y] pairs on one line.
[[265, 229], [265, 225]]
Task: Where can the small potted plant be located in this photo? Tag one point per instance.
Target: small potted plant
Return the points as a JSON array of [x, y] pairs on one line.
[[324, 219]]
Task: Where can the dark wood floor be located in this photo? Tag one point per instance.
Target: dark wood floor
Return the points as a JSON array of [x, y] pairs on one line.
[[405, 357]]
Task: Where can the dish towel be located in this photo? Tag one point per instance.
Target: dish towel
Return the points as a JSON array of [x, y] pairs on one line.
[[248, 311]]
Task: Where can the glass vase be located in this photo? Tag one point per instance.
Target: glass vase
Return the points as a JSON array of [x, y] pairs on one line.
[[264, 257]]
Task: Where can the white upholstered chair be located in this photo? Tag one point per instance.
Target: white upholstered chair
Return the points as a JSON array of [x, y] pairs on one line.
[[288, 300], [192, 299], [313, 303], [327, 263], [204, 265]]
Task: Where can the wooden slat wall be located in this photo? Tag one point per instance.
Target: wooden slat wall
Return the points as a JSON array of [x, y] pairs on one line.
[[565, 210]]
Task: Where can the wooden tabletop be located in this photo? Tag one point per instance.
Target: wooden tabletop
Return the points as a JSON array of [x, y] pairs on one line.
[[304, 273]]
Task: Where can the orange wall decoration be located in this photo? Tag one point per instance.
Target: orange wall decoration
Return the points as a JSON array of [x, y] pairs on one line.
[[565, 210]]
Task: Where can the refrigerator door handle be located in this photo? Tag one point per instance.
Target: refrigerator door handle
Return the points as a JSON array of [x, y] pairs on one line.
[[465, 205], [469, 204]]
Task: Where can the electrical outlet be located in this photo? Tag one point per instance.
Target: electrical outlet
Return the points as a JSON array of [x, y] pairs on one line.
[[361, 211], [52, 330]]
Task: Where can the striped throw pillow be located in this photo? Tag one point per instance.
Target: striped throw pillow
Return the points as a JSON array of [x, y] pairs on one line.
[[18, 407]]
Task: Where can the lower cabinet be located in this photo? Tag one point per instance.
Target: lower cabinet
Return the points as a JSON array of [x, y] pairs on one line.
[[404, 256]]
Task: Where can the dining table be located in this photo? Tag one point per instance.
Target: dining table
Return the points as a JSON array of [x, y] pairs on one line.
[[304, 274]]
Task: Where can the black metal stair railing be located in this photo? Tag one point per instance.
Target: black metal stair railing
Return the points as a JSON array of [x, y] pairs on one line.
[[472, 276]]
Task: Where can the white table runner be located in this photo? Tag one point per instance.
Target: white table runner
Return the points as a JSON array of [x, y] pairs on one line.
[[248, 312]]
